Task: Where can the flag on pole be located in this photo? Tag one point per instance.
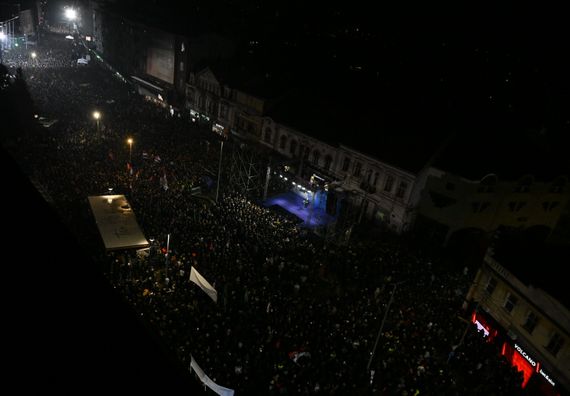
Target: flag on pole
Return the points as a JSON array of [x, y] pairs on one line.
[[203, 283], [220, 390]]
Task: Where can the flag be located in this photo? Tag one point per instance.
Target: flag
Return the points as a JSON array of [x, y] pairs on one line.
[[220, 390], [164, 182], [203, 283]]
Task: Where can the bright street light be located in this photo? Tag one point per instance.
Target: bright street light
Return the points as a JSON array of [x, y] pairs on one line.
[[34, 55], [2, 36], [70, 14], [130, 142], [97, 116]]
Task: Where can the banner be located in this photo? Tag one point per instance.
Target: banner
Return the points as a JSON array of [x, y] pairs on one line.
[[203, 283], [220, 390]]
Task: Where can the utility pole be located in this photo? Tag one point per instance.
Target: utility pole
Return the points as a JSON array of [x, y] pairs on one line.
[[166, 257], [382, 325]]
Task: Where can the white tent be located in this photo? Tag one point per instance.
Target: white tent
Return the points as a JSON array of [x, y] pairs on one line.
[[117, 223]]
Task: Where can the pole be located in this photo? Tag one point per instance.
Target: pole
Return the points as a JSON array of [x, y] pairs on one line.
[[267, 177], [166, 257], [382, 326], [130, 153], [219, 169], [312, 207]]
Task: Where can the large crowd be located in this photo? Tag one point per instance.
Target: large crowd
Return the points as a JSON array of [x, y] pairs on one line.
[[295, 315]]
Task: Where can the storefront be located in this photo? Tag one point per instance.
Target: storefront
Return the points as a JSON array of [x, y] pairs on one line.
[[537, 378]]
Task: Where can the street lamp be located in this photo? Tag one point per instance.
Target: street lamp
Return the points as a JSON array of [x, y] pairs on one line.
[[70, 14], [34, 55], [130, 142], [97, 116]]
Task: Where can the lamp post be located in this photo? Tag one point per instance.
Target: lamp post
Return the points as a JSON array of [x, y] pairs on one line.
[[71, 15], [382, 325], [130, 142], [97, 116], [3, 38]]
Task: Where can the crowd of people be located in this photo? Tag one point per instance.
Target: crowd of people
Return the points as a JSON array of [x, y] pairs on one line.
[[295, 314]]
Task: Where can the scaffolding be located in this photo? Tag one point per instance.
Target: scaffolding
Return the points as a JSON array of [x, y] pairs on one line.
[[247, 170]]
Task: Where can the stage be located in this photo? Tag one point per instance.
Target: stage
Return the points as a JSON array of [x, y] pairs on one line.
[[312, 216]]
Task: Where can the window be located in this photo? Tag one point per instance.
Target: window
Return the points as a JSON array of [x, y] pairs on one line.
[[376, 176], [316, 157], [328, 162], [558, 184], [223, 111], [479, 207], [282, 142], [487, 184], [510, 303], [293, 147], [357, 169], [524, 184], [389, 183], [555, 344], [491, 285], [267, 136], [450, 186], [402, 188], [181, 66], [530, 322], [368, 175], [516, 206], [345, 164]]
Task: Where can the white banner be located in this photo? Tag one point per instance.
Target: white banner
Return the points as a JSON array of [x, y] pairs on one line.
[[220, 390], [203, 283]]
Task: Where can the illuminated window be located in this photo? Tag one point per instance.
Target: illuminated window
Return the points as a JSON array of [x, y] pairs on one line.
[[402, 188], [389, 184], [491, 285], [530, 322], [555, 344], [510, 303]]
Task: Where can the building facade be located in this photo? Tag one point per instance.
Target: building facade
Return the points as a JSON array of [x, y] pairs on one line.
[[381, 192], [532, 327], [458, 204]]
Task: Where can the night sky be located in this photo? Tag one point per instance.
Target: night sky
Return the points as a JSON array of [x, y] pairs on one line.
[[475, 69]]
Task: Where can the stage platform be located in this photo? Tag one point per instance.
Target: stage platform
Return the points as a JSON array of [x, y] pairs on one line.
[[293, 204]]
